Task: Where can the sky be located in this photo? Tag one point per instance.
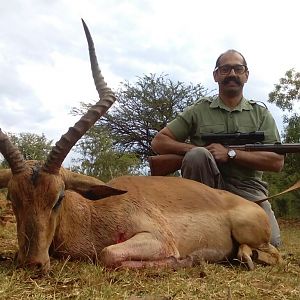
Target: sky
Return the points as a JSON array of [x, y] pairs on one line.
[[44, 64]]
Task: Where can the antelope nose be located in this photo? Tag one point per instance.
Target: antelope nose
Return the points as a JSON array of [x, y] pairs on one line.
[[34, 265]]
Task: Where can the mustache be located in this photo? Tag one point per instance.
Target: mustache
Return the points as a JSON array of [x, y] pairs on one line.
[[232, 78]]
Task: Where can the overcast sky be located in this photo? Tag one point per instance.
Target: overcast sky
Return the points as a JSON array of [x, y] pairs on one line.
[[44, 64]]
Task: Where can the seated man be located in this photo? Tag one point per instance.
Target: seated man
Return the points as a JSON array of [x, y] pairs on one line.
[[237, 171]]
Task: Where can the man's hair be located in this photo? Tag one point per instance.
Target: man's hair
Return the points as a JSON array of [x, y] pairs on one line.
[[230, 51]]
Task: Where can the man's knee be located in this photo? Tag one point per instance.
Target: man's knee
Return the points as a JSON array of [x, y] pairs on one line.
[[196, 156], [200, 165]]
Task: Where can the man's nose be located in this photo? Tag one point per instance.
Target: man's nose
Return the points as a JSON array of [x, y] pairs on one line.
[[232, 72]]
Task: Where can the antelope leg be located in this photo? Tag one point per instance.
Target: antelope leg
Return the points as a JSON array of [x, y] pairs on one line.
[[244, 254], [142, 250], [267, 254]]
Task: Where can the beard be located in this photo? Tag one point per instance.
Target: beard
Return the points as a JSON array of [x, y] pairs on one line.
[[232, 91]]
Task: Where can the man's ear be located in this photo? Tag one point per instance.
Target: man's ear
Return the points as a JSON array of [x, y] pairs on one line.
[[215, 76], [246, 75]]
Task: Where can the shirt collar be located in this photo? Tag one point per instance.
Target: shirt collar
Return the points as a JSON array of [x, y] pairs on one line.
[[243, 105]]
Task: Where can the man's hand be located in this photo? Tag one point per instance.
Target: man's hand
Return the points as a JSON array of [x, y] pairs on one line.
[[219, 152]]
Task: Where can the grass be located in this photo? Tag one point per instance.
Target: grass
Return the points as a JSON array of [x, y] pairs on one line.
[[80, 280]]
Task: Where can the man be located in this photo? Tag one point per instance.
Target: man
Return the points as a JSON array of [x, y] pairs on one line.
[[239, 172]]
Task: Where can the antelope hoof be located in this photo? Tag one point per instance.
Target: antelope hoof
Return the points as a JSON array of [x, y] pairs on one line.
[[265, 258]]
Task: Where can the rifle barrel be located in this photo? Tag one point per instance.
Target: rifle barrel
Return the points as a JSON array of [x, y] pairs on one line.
[[278, 148]]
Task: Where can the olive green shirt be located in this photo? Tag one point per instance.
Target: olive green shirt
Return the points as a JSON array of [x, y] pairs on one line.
[[211, 115]]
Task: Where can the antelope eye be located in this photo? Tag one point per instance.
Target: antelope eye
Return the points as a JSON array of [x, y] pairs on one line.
[[58, 202]]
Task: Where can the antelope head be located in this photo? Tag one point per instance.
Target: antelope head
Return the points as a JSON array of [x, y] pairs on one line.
[[36, 189]]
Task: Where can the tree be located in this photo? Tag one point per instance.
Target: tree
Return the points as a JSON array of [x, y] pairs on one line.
[[98, 158], [32, 146], [144, 108], [285, 95], [287, 91]]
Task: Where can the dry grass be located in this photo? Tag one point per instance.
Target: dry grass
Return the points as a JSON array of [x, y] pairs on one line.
[[78, 280]]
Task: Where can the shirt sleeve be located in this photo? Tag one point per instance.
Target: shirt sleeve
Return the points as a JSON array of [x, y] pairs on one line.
[[181, 126], [269, 127]]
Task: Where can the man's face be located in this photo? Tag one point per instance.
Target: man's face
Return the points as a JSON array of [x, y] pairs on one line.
[[231, 75]]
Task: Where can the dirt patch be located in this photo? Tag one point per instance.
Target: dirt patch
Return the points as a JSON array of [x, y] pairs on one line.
[[8, 240], [6, 212], [289, 223]]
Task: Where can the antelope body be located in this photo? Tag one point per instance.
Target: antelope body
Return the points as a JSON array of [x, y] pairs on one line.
[[159, 221], [131, 221]]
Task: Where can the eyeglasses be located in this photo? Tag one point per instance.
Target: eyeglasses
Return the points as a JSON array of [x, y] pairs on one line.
[[226, 69]]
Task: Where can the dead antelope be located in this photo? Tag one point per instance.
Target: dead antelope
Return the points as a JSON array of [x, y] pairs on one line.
[[139, 221]]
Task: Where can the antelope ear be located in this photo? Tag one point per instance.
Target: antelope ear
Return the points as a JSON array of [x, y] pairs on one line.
[[89, 187], [98, 192], [5, 176]]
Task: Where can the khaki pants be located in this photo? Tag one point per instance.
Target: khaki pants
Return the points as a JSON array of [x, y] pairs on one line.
[[199, 165]]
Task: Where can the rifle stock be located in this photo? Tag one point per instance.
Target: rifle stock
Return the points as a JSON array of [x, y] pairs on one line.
[[165, 164]]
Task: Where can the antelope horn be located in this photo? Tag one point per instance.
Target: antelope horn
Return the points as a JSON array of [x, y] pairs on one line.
[[68, 140], [12, 154]]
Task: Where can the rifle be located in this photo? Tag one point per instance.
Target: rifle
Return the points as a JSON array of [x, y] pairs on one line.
[[237, 138], [165, 164]]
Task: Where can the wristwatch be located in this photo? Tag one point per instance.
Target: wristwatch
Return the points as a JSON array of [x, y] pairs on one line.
[[231, 154]]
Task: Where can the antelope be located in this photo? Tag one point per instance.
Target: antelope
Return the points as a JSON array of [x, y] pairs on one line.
[[129, 222]]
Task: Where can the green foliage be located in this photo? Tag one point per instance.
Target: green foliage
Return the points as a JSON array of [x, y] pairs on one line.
[[292, 128], [98, 158], [288, 205], [144, 108], [287, 91], [31, 145], [292, 135], [285, 95]]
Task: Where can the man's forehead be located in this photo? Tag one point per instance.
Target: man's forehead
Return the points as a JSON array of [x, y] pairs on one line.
[[231, 57]]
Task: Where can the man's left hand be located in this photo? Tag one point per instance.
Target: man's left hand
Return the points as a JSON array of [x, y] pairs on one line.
[[219, 152]]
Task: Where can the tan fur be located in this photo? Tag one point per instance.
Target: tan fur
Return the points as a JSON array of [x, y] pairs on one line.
[[159, 221]]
